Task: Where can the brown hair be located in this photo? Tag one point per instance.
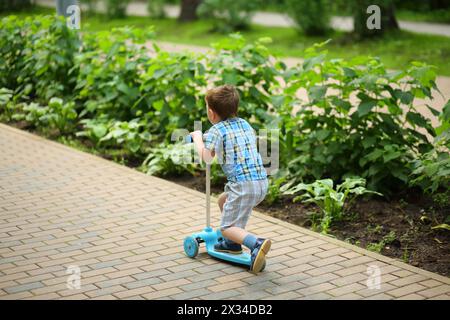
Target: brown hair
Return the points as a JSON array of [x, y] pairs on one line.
[[224, 101]]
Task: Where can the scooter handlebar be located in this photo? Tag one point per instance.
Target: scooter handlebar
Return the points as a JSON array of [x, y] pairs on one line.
[[188, 138]]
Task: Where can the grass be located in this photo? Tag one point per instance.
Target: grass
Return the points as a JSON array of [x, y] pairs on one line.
[[396, 50], [423, 15], [435, 16]]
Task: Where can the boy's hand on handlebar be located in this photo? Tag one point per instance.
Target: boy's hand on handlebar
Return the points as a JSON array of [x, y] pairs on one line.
[[196, 135]]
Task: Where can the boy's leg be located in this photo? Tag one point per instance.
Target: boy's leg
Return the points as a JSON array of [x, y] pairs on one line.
[[239, 235], [221, 201], [235, 234], [258, 247]]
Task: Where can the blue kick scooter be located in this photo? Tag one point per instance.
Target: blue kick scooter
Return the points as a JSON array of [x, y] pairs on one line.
[[210, 237]]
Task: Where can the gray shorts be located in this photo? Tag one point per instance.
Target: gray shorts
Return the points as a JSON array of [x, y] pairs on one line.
[[242, 197]]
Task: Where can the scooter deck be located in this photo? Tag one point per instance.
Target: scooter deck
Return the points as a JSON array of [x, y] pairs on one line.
[[210, 238]]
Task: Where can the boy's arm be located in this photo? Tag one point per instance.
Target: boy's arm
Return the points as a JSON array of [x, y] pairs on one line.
[[205, 154]]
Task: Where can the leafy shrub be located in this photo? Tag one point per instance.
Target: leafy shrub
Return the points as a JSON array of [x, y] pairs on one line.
[[60, 115], [116, 8], [329, 136], [167, 159], [37, 55], [228, 15], [131, 135], [249, 68], [91, 5], [107, 81], [171, 92], [33, 113], [94, 129], [6, 104], [431, 170], [311, 16], [358, 119], [56, 115], [330, 201], [50, 59], [274, 191], [12, 47], [155, 8]]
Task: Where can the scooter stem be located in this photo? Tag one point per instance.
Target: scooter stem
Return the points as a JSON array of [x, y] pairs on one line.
[[208, 195]]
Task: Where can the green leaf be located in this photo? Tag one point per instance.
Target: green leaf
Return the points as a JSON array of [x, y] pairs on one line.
[[368, 142], [322, 134], [406, 97], [443, 226], [278, 101], [317, 92], [366, 107], [348, 72], [230, 77], [158, 105], [99, 131], [416, 119]]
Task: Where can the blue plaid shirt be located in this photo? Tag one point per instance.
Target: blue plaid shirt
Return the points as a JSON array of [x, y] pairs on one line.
[[234, 142]]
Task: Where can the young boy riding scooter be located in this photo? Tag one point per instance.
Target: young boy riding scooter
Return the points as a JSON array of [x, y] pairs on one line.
[[233, 141]]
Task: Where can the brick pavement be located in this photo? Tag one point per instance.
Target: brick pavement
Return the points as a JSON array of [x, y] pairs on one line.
[[60, 207]]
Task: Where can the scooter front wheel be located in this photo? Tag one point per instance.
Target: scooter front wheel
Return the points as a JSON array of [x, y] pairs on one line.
[[191, 247]]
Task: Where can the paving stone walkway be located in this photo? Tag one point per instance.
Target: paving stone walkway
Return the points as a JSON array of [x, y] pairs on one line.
[[61, 208]]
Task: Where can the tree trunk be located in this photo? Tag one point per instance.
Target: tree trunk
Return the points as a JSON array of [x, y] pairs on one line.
[[188, 10], [387, 19]]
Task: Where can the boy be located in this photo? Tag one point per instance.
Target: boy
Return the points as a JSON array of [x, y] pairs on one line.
[[233, 140]]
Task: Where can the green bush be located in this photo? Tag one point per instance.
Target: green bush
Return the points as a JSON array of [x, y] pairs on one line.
[[228, 15], [155, 8], [171, 92], [116, 8], [257, 78], [13, 42], [36, 56], [431, 170], [311, 16], [353, 122], [358, 119], [91, 5], [7, 104], [60, 115], [130, 135], [107, 72], [33, 113], [167, 159], [330, 201], [94, 129]]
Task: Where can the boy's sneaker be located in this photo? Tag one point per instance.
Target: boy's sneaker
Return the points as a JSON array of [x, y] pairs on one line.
[[259, 252], [225, 246]]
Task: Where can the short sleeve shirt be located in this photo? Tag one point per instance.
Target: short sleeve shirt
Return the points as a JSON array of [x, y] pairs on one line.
[[234, 142]]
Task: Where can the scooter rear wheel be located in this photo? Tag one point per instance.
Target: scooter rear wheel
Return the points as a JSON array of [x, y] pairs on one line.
[[263, 266], [191, 247]]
